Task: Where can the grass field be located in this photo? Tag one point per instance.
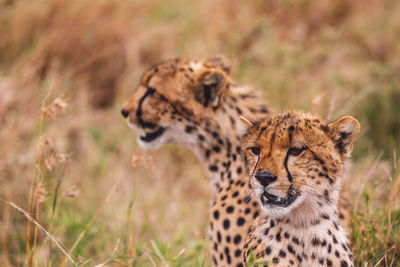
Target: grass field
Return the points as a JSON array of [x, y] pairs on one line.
[[68, 159]]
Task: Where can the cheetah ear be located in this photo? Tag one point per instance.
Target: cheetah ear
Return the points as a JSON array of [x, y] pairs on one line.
[[344, 133], [244, 125], [222, 61], [211, 85]]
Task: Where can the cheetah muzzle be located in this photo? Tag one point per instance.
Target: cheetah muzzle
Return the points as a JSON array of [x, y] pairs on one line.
[[152, 135], [269, 199]]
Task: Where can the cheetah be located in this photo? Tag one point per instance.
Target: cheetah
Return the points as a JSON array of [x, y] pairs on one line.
[[295, 163], [196, 103]]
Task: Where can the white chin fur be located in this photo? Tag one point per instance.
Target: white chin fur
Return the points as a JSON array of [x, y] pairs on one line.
[[157, 143], [170, 135], [273, 210]]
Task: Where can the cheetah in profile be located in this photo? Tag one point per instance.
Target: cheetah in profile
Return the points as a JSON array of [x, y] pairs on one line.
[[196, 103], [295, 162]]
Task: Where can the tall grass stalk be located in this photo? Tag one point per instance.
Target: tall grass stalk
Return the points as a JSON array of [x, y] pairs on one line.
[[41, 228], [96, 214]]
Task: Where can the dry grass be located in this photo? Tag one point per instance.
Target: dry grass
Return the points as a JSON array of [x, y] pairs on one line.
[[61, 163]]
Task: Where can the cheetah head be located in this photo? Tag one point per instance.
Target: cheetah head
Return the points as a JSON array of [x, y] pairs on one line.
[[174, 93], [295, 159]]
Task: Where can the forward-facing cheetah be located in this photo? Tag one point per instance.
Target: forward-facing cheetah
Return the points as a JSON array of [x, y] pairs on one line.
[[295, 162], [196, 103]]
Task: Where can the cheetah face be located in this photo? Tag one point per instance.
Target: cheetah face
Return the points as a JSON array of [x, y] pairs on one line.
[[294, 159], [173, 98]]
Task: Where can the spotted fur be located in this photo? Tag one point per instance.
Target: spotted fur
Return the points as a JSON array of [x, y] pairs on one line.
[[196, 103], [295, 163]]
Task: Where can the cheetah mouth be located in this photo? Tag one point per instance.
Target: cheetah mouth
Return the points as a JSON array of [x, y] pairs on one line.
[[271, 199], [151, 136]]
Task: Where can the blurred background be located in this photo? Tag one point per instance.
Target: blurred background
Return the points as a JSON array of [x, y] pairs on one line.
[[68, 158]]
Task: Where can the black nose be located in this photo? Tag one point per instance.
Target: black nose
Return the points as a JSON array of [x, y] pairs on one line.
[[265, 177], [125, 113]]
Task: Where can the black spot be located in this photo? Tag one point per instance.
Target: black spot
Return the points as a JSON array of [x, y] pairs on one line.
[[228, 257], [219, 238], [215, 134], [247, 211], [291, 129], [286, 235], [255, 215], [299, 258], [336, 225], [343, 264], [268, 250], [217, 149], [228, 239], [230, 209], [237, 239], [325, 216], [235, 194], [201, 137], [215, 261], [266, 231], [189, 129], [296, 240], [282, 253], [291, 250], [213, 168], [315, 241], [326, 195], [328, 262], [278, 237], [337, 254], [226, 224], [238, 149], [239, 170], [272, 224], [275, 260], [321, 261], [241, 221], [238, 252], [216, 214]]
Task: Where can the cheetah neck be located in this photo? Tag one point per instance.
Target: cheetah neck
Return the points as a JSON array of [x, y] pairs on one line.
[[218, 142], [314, 210], [323, 242], [312, 231]]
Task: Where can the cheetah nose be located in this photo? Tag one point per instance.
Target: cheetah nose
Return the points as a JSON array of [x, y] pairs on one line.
[[124, 113], [265, 177]]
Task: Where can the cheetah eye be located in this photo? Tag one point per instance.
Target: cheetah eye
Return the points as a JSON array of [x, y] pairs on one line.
[[296, 151], [255, 150]]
